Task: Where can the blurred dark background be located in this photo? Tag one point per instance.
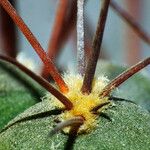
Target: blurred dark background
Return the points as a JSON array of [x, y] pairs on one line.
[[120, 44]]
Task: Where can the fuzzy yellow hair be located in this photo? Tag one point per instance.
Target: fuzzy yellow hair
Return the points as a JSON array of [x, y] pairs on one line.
[[82, 103]]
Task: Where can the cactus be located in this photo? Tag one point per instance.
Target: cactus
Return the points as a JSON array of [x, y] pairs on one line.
[[84, 112]]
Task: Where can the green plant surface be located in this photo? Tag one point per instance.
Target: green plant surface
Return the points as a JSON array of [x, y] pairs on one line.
[[137, 88], [129, 129], [17, 92]]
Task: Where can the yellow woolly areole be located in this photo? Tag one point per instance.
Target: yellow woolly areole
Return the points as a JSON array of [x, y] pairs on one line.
[[82, 103]]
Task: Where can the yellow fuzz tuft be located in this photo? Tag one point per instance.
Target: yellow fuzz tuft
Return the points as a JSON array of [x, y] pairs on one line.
[[82, 103]]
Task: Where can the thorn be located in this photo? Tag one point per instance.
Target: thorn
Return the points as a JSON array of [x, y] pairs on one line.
[[99, 106], [96, 46], [68, 104], [71, 122], [120, 99], [124, 76]]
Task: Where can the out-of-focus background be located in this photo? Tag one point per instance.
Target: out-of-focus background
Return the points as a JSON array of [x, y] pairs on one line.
[[120, 44]]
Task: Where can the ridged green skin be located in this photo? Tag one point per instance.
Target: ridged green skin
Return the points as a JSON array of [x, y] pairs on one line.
[[129, 128], [17, 92]]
